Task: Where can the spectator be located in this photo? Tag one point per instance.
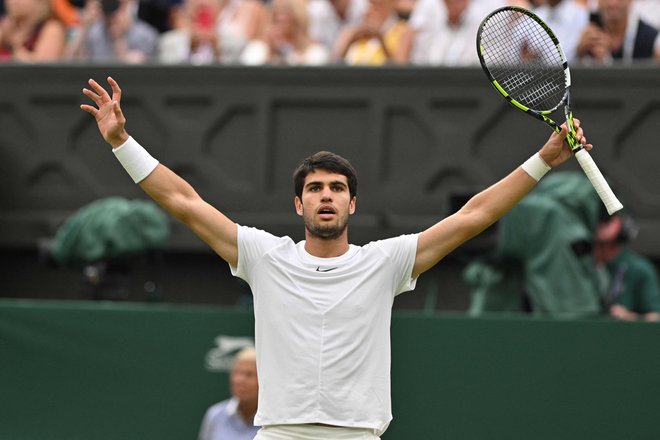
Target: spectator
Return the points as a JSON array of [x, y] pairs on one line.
[[632, 290], [426, 14], [564, 17], [196, 39], [30, 34], [110, 31], [381, 38], [233, 419], [240, 22], [287, 39], [328, 17], [451, 42], [615, 33]]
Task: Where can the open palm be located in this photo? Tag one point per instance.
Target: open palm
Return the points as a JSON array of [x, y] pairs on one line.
[[107, 111]]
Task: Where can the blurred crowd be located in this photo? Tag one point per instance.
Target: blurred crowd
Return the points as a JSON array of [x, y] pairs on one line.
[[308, 32]]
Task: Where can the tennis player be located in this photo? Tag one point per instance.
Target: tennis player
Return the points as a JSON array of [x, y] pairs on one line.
[[322, 306]]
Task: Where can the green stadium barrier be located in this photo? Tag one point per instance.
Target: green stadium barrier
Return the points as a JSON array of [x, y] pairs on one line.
[[97, 371]]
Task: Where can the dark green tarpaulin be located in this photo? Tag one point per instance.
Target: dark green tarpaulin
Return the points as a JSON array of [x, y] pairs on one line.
[[108, 228]]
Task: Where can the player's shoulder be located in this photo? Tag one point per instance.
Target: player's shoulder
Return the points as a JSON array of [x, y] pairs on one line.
[[387, 244], [252, 233]]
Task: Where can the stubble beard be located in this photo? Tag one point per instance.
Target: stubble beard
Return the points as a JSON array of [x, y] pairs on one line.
[[326, 231]]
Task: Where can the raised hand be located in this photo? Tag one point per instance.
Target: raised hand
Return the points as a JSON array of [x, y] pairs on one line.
[[107, 112]]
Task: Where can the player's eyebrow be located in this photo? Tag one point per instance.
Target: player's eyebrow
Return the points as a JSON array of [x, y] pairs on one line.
[[331, 183]]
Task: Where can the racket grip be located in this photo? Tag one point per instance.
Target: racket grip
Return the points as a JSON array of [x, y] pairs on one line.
[[598, 181]]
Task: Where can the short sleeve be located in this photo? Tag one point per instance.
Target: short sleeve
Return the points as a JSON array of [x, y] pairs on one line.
[[401, 251], [253, 244]]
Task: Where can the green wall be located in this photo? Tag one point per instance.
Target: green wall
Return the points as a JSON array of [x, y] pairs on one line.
[[96, 371]]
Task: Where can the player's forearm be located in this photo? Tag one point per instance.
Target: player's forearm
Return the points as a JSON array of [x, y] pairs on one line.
[[170, 191], [494, 202], [163, 185], [500, 198]]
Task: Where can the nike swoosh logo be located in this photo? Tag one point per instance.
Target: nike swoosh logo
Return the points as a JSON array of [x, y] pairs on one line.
[[318, 269]]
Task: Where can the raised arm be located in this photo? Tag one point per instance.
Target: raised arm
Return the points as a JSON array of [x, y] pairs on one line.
[[490, 205], [169, 190]]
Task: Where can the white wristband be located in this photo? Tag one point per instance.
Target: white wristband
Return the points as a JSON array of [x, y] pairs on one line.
[[136, 160], [536, 167]]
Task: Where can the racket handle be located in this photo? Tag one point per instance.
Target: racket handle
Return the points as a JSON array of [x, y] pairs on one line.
[[598, 181]]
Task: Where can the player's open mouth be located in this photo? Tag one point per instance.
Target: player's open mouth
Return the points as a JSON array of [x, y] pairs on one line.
[[326, 212]]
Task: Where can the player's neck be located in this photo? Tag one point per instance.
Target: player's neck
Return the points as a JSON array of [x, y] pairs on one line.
[[326, 248]]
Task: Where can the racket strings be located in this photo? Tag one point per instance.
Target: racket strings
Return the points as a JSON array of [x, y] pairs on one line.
[[523, 58]]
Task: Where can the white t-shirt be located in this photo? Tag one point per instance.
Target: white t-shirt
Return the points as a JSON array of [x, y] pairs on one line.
[[322, 327]]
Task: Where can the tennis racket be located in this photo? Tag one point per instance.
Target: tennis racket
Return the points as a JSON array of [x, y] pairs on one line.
[[525, 63]]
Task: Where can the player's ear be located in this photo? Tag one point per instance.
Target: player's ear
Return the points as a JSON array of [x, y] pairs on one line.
[[352, 205], [298, 204]]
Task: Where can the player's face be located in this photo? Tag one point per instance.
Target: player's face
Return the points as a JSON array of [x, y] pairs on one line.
[[243, 380], [326, 204]]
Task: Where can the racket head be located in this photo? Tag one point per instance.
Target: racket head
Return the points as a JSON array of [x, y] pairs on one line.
[[523, 60]]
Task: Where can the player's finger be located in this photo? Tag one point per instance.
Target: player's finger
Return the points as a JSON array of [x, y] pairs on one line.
[[579, 134], [116, 91], [93, 96], [100, 91], [89, 109], [563, 131]]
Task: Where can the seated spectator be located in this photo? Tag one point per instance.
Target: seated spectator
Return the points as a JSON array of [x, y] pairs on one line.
[[110, 32], [233, 419], [209, 31], [29, 33], [632, 290], [287, 39], [615, 33], [328, 17], [239, 22], [452, 40], [564, 17], [196, 39], [381, 38], [427, 14]]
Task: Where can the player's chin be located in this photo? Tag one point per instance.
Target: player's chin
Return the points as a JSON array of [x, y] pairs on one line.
[[327, 231]]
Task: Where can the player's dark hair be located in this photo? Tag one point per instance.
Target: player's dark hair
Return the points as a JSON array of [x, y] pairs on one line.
[[325, 160]]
